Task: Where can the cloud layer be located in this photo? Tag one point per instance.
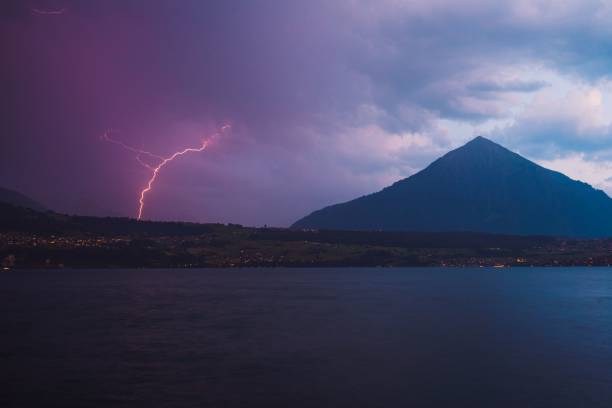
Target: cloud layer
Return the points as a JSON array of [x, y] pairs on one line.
[[327, 100]]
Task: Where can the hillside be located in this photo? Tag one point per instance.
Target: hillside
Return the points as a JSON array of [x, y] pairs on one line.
[[30, 239], [479, 187], [18, 199]]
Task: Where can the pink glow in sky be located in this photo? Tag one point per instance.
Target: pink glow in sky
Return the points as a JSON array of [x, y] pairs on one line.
[[328, 100]]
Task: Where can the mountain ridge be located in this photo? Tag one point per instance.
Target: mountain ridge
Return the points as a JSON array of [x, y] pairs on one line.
[[20, 200], [479, 187]]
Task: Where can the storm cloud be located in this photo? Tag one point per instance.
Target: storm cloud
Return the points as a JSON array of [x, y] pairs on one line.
[[327, 100]]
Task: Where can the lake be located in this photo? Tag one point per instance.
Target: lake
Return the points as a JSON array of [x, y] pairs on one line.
[[307, 338]]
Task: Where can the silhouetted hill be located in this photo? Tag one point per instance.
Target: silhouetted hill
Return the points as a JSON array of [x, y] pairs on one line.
[[18, 199], [21, 219], [25, 220], [480, 187], [31, 239]]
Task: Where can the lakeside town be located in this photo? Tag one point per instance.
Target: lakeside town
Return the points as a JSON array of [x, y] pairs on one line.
[[235, 246]]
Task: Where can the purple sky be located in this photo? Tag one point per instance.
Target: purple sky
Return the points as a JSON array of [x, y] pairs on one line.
[[328, 100]]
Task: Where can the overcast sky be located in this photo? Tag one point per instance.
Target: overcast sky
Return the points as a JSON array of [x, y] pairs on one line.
[[328, 100]]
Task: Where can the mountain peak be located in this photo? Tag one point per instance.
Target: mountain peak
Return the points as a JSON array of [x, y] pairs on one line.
[[481, 142], [477, 157], [479, 187], [480, 139]]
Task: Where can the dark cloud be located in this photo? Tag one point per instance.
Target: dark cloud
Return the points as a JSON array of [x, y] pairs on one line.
[[554, 137], [301, 82]]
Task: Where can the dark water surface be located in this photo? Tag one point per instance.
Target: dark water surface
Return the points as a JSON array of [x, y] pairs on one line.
[[307, 338]]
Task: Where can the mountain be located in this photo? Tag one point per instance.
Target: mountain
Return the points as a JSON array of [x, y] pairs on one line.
[[20, 200], [479, 187]]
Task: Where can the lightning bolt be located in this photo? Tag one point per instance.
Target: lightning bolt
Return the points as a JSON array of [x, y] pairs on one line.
[[161, 161], [156, 170], [108, 138], [143, 163]]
